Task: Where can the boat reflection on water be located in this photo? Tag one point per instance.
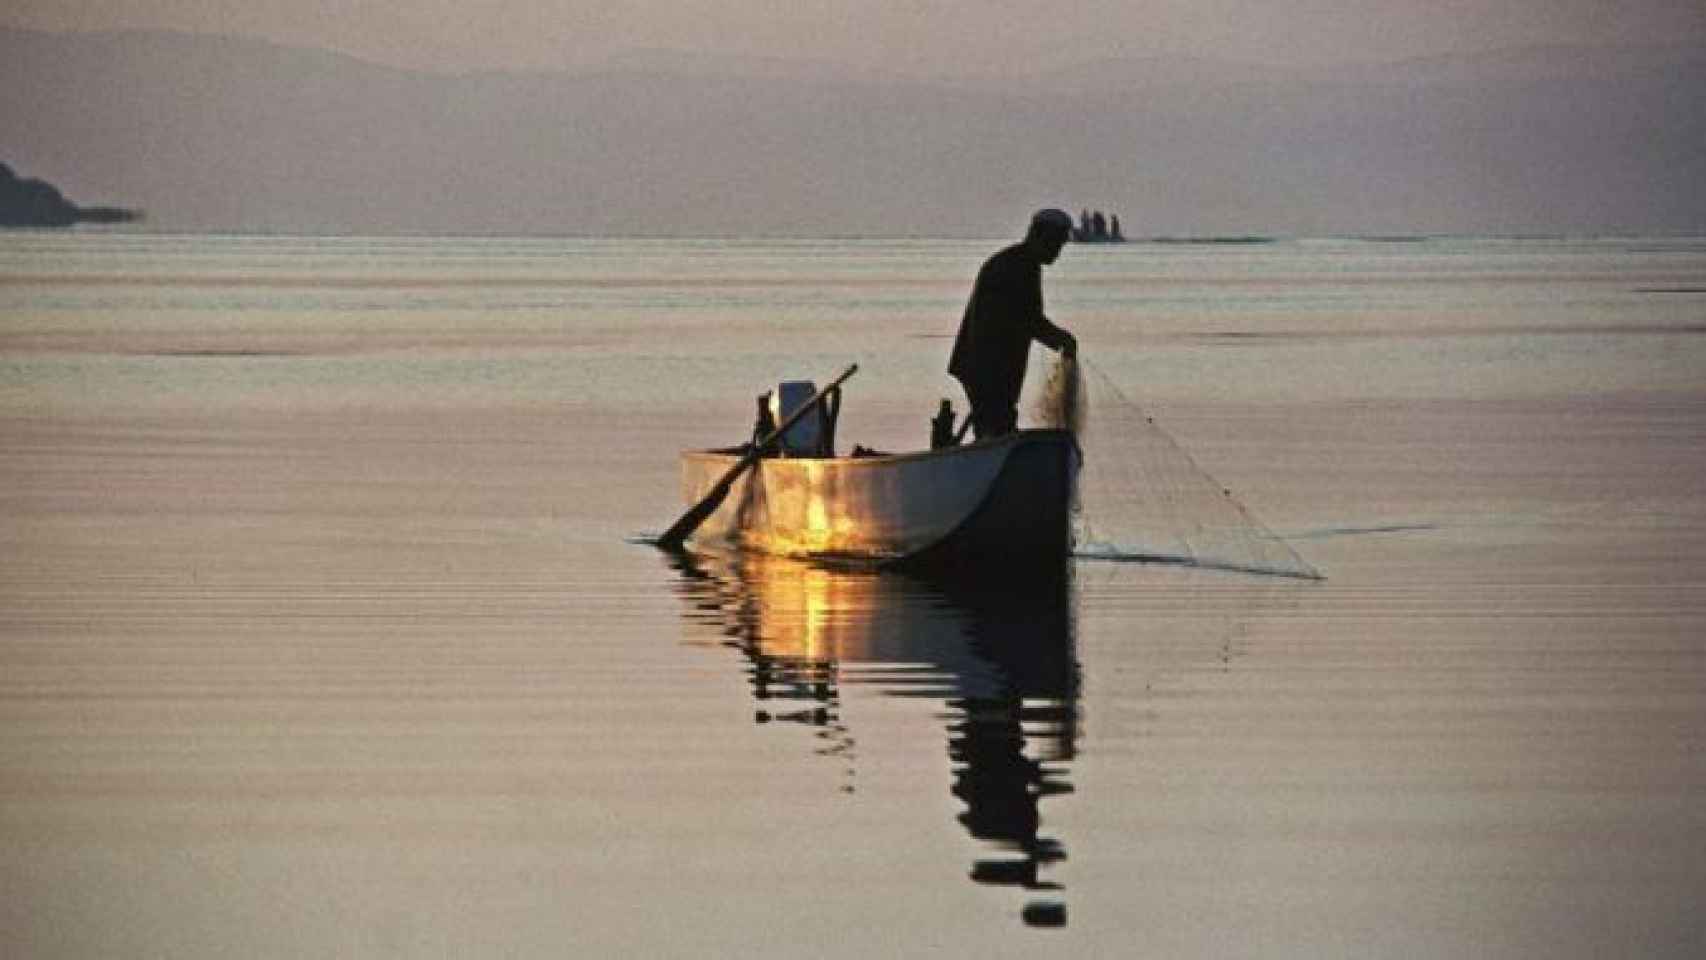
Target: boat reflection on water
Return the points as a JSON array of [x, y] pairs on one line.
[[1000, 657]]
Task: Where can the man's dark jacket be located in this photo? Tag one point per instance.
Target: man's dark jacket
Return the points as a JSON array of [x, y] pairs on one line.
[[1004, 314]]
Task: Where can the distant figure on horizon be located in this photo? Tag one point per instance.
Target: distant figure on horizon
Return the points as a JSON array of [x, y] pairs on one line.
[[1003, 316]]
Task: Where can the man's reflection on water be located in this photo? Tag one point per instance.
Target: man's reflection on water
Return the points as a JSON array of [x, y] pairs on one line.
[[1001, 659]]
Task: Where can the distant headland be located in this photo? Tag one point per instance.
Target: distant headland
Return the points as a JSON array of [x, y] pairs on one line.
[[1094, 227], [37, 203]]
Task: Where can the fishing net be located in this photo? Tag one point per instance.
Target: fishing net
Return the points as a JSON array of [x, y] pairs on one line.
[[1141, 497]]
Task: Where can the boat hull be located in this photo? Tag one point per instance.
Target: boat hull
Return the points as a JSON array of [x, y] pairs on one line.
[[1003, 502]]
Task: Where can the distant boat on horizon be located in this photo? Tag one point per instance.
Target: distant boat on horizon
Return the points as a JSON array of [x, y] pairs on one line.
[[1095, 227]]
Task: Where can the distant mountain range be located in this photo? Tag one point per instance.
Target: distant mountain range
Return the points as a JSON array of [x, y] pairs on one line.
[[220, 133]]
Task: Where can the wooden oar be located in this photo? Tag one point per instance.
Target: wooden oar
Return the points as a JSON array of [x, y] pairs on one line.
[[683, 528]]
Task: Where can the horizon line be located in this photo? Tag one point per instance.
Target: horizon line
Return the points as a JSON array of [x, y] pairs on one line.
[[611, 64]]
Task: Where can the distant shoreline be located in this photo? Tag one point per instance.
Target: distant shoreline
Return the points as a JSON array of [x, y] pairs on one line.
[[34, 203]]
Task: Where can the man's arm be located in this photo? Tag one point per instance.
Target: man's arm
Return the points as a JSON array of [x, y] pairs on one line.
[[1042, 329], [1056, 338]]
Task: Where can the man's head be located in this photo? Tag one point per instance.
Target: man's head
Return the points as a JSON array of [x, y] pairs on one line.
[[1049, 231]]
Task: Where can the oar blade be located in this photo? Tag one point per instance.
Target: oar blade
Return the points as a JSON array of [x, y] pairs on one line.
[[676, 536]]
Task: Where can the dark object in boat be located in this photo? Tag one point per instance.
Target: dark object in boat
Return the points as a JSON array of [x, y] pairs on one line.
[[942, 426]]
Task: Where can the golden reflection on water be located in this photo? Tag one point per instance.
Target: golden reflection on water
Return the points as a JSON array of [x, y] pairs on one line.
[[999, 657]]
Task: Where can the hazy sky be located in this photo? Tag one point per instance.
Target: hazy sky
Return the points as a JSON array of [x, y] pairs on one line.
[[911, 36]]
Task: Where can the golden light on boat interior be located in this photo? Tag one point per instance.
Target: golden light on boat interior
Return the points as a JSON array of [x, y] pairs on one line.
[[823, 523]]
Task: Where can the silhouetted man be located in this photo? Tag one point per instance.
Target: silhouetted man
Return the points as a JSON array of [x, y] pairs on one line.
[[1003, 316]]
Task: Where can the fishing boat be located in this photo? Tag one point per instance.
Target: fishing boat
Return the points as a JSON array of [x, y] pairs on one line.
[[1004, 501], [1000, 503]]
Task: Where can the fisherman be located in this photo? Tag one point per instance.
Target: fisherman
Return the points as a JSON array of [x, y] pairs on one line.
[[1003, 316]]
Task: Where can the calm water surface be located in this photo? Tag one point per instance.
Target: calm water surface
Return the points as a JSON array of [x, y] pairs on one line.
[[321, 633]]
